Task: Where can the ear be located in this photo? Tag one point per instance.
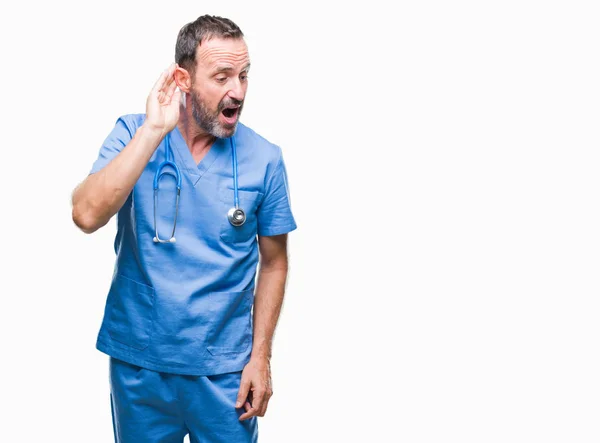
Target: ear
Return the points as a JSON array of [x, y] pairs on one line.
[[183, 79]]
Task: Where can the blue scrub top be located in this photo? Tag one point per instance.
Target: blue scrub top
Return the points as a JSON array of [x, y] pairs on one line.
[[186, 307]]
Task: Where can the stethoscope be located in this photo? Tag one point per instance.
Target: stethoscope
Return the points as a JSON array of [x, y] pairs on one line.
[[235, 215]]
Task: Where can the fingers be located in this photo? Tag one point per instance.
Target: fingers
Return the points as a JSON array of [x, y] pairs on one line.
[[250, 412], [267, 397], [170, 90], [176, 99], [164, 95], [258, 408], [257, 400], [243, 392], [165, 79], [160, 82]]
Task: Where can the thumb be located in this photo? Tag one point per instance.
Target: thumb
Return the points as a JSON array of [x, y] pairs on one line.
[[242, 393]]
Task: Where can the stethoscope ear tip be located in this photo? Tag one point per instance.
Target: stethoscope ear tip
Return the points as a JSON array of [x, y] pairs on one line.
[[156, 240]]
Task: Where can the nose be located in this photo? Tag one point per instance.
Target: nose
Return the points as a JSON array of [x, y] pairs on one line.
[[237, 90]]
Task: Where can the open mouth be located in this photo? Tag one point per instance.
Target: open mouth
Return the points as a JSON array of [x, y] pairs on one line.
[[230, 113]]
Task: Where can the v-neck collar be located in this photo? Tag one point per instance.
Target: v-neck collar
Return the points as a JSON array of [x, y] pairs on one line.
[[186, 159]]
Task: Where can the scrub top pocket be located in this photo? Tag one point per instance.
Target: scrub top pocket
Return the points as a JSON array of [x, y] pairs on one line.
[[231, 328], [248, 201], [130, 315]]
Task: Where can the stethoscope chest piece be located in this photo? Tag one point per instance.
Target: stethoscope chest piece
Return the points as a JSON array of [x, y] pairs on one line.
[[236, 216]]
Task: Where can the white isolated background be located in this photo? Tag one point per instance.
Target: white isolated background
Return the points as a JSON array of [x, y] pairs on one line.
[[443, 165]]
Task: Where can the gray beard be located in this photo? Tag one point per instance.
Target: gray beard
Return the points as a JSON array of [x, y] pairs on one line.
[[210, 122]]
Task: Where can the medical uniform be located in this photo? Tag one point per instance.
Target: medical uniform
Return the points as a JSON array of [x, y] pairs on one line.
[[178, 318]]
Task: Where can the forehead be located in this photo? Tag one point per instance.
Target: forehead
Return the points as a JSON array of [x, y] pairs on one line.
[[218, 52]]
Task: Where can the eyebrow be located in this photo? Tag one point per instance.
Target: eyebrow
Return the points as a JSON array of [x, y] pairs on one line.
[[229, 69]]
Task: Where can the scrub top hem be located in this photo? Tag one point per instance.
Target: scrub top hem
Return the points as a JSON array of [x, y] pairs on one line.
[[223, 368]]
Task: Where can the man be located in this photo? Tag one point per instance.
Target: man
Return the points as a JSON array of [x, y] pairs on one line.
[[188, 354]]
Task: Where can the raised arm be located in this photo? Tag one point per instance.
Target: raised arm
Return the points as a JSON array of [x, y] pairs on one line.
[[102, 194]]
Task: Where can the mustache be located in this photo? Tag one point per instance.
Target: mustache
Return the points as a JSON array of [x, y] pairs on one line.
[[228, 103]]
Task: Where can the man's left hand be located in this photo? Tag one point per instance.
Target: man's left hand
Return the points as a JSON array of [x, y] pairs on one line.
[[255, 388]]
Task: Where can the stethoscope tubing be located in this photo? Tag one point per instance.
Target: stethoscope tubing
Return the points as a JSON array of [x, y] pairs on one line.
[[236, 215], [236, 201]]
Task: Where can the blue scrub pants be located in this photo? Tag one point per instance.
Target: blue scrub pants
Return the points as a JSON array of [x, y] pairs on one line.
[[153, 407]]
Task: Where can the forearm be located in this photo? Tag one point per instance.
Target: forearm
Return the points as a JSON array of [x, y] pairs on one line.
[[102, 194], [267, 306]]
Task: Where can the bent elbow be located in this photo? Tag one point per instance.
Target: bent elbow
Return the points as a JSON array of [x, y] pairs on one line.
[[84, 221]]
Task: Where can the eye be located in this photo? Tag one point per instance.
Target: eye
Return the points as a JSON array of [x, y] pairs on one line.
[[221, 79], [244, 77]]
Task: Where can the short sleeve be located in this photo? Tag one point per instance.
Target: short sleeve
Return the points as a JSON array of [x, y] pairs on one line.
[[275, 211], [118, 138]]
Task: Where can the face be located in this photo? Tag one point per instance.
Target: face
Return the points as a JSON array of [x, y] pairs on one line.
[[219, 85]]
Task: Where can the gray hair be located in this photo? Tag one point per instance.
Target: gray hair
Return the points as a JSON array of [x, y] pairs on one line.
[[204, 27]]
